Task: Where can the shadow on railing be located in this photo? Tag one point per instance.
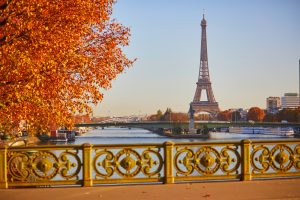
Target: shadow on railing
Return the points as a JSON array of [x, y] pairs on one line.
[[88, 165]]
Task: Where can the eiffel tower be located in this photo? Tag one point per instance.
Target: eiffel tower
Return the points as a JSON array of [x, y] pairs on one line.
[[210, 106]]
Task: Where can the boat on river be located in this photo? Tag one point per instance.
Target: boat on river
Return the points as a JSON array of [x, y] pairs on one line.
[[58, 136], [280, 131], [253, 132], [62, 135]]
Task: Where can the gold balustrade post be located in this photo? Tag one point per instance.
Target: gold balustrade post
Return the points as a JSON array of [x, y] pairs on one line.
[[3, 167], [245, 153], [168, 164], [87, 165]]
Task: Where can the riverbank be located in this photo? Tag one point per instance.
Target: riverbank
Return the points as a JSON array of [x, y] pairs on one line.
[[240, 190], [22, 141], [187, 136]]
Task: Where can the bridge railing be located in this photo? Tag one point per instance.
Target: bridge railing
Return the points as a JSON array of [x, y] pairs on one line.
[[88, 165]]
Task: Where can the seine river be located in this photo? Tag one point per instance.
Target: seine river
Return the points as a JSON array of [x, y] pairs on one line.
[[139, 136]]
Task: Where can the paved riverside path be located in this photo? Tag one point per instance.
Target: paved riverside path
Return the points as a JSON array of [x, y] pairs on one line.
[[264, 189]]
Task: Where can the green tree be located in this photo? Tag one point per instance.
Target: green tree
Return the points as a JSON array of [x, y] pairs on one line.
[[159, 114], [167, 115]]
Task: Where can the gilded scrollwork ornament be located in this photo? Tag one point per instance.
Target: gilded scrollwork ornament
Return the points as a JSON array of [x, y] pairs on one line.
[[184, 157], [230, 160], [207, 160], [152, 162], [103, 163], [278, 158], [42, 165], [127, 163], [68, 168], [296, 157], [46, 165]]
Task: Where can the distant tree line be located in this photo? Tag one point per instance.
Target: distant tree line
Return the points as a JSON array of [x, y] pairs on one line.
[[289, 115], [259, 115], [168, 115], [255, 114]]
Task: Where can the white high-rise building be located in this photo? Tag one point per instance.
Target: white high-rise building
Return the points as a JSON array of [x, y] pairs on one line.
[[290, 100]]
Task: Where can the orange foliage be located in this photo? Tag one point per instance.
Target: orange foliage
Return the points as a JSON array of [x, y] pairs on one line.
[[55, 57], [82, 119], [255, 114], [153, 118], [289, 114], [99, 119], [270, 118], [179, 117], [224, 115], [175, 117]]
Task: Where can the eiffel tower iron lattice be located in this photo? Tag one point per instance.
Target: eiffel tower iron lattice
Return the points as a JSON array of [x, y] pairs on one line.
[[204, 83]]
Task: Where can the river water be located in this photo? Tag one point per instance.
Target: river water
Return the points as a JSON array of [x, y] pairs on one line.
[[115, 135]]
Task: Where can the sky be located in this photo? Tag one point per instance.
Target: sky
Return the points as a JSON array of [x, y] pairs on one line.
[[253, 53]]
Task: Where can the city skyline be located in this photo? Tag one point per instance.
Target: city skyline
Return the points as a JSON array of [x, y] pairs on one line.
[[252, 49]]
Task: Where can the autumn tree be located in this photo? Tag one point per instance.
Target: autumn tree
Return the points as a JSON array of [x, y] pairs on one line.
[[169, 115], [56, 57], [203, 117], [290, 115], [255, 114], [179, 117], [224, 115], [156, 117], [82, 119], [153, 118], [270, 117]]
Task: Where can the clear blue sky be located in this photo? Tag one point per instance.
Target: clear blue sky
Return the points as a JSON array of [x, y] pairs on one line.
[[253, 53]]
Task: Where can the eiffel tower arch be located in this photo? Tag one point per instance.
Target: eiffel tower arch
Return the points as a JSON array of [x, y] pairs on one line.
[[204, 83]]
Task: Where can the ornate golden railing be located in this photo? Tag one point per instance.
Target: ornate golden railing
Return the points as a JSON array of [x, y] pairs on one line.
[[88, 165]]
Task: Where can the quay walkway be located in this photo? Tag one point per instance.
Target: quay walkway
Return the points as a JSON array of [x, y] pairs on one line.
[[264, 189]]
